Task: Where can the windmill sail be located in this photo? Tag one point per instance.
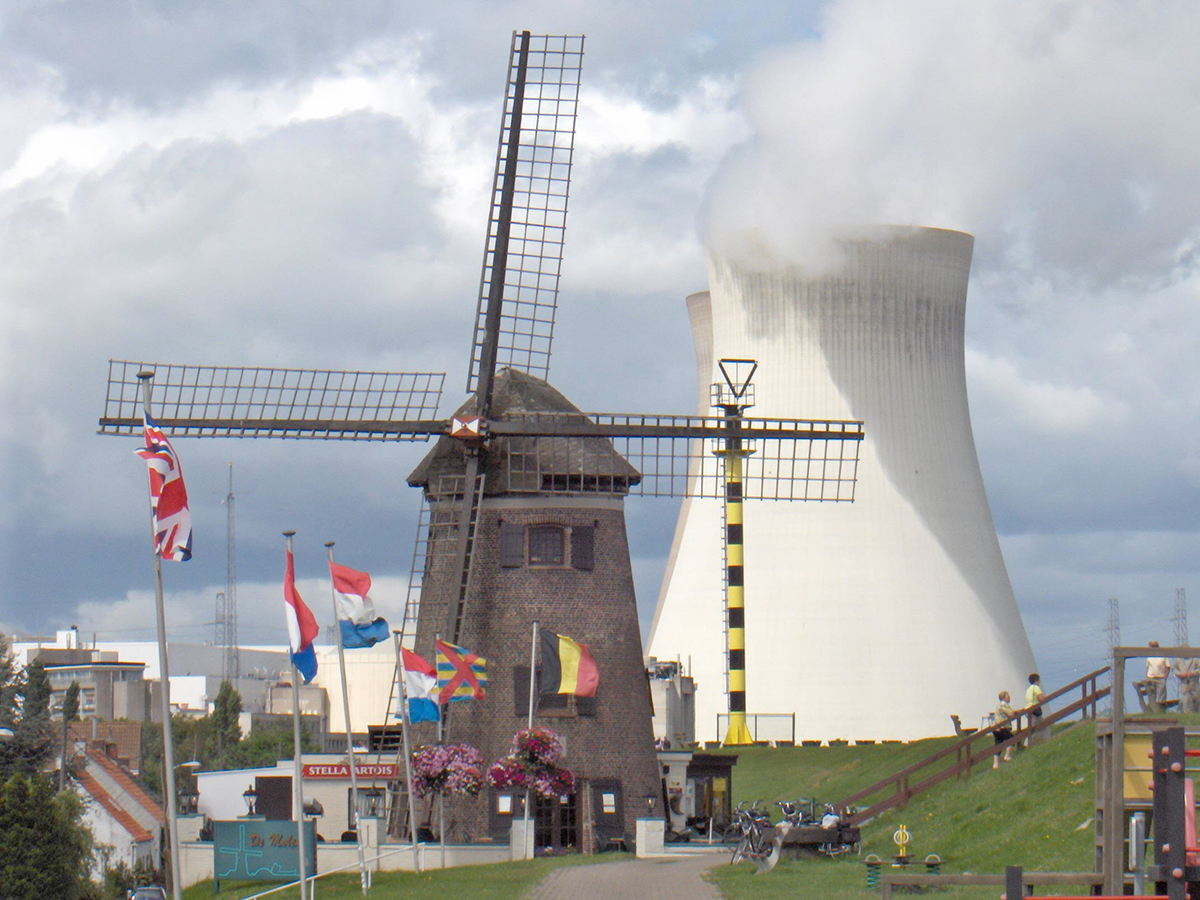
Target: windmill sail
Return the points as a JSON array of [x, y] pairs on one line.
[[239, 401], [522, 259]]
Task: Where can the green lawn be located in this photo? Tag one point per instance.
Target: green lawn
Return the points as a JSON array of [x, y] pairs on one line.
[[503, 881], [1028, 813]]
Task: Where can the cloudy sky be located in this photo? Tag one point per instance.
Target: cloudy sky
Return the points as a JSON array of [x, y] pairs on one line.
[[306, 185]]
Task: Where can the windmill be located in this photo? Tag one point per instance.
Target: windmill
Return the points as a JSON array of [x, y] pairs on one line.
[[523, 493]]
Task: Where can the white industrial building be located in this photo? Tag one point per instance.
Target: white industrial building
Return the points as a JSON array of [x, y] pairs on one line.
[[876, 619]]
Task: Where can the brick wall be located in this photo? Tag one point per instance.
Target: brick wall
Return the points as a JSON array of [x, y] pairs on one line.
[[597, 608]]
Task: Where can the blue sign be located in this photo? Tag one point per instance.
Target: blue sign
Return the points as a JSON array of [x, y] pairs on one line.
[[261, 850]]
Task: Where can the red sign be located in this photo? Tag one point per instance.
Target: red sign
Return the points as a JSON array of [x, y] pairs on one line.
[[341, 770]]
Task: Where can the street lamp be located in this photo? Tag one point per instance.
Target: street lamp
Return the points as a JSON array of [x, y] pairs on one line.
[[250, 795]]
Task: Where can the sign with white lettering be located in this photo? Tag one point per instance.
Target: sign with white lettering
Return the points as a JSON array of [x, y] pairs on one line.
[[372, 771]]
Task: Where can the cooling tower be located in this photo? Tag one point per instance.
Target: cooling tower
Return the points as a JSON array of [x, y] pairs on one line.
[[876, 619]]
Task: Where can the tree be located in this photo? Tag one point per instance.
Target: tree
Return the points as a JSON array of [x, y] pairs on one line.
[[70, 713], [44, 847], [24, 710], [35, 693], [226, 730]]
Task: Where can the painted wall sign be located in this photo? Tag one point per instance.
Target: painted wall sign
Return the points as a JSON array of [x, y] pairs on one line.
[[341, 770], [260, 850]]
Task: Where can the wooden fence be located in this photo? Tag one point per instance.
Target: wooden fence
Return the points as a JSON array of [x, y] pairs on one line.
[[958, 759]]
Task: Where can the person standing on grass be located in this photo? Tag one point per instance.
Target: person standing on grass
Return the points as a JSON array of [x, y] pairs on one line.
[[1157, 670], [1033, 706], [1002, 733]]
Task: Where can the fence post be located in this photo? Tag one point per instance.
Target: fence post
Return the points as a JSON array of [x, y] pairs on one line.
[[1014, 882]]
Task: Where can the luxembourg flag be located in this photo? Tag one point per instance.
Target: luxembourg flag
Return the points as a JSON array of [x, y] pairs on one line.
[[359, 625], [301, 626], [420, 683]]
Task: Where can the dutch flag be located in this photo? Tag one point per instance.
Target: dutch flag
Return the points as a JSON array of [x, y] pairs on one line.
[[359, 625], [301, 626], [420, 683]]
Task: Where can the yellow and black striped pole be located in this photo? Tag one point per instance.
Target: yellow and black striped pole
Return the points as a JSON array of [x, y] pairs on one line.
[[733, 398], [735, 597]]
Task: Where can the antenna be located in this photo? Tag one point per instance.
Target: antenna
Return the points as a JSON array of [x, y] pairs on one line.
[[231, 664], [1180, 620], [1113, 631], [219, 622]]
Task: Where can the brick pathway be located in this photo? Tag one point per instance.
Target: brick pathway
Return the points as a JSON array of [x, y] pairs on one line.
[[644, 879]]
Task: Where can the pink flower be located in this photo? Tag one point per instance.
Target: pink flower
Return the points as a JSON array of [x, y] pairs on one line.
[[447, 769]]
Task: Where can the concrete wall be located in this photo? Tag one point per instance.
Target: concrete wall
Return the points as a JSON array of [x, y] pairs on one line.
[[881, 618]]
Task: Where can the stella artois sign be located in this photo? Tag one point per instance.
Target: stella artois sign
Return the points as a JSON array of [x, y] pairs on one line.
[[341, 770]]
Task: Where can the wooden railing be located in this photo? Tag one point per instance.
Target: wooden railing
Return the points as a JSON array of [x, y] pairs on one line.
[[957, 760]]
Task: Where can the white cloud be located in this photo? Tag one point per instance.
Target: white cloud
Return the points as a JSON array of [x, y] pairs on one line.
[[1048, 408]]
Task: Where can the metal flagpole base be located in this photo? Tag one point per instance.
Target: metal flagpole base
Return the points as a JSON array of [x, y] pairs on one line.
[[738, 734]]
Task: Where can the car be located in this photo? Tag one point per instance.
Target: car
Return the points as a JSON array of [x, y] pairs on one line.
[[149, 892]]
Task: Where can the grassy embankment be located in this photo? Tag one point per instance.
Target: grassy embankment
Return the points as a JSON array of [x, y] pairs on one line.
[[1035, 811]]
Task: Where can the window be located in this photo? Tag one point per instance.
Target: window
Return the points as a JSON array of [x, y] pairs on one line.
[[504, 804], [546, 544], [608, 802]]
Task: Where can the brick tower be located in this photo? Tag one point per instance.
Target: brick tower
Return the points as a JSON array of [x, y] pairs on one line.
[[561, 559]]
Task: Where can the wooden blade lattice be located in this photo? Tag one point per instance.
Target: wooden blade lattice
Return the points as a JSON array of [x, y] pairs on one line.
[[531, 266], [225, 401], [677, 456]]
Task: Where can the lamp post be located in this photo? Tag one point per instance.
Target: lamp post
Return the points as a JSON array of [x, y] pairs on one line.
[[649, 798], [250, 795]]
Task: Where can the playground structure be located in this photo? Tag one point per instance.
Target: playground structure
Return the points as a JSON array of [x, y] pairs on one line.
[[1118, 797]]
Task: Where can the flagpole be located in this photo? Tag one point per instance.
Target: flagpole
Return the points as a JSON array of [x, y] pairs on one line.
[[441, 796], [298, 776], [337, 627], [412, 803], [164, 674], [532, 684]]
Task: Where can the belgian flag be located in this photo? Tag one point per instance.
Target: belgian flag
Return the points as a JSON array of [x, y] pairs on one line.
[[567, 667]]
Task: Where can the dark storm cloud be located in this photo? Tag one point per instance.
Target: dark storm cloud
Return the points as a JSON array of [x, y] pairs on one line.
[[306, 185]]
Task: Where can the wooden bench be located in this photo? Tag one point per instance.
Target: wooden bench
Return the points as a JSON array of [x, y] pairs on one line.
[[958, 728], [1146, 700]]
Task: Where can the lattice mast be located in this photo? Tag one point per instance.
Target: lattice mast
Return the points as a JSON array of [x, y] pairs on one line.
[[1180, 619], [231, 669], [1113, 630]]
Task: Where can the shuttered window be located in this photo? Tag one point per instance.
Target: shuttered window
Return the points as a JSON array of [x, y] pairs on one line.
[[512, 545], [583, 547]]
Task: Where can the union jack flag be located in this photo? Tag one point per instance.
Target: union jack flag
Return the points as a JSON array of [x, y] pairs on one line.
[[168, 496]]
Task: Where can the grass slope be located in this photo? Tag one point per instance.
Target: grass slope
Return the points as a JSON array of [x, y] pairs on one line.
[[1027, 813], [502, 881]]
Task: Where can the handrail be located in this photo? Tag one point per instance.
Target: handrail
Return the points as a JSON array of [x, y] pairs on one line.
[[904, 788]]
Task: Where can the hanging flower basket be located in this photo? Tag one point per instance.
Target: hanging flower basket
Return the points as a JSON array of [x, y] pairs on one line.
[[538, 746], [533, 765], [447, 769]]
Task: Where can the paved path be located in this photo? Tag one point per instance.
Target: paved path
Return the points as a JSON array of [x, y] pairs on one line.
[[644, 879]]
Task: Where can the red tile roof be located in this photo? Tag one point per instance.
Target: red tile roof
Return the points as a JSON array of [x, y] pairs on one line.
[[127, 736], [121, 777], [101, 796]]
